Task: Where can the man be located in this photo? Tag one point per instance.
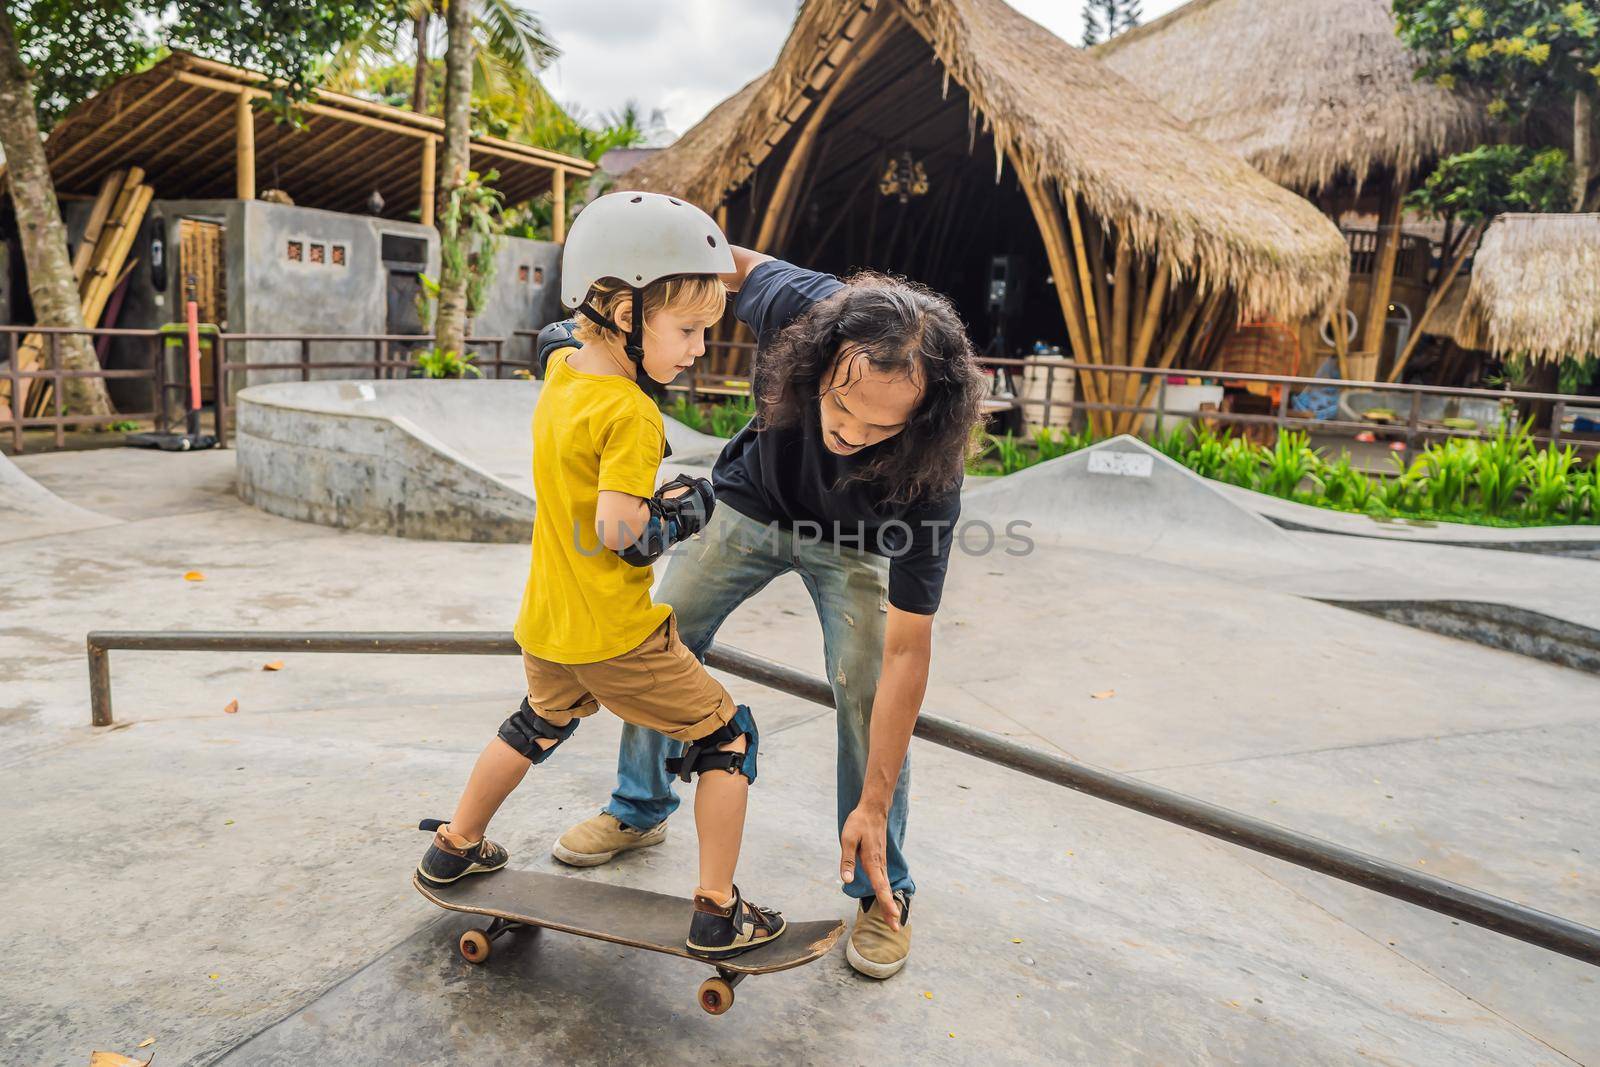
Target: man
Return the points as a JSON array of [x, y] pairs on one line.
[[850, 474]]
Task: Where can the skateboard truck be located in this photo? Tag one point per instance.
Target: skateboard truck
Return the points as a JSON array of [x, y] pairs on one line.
[[715, 995]]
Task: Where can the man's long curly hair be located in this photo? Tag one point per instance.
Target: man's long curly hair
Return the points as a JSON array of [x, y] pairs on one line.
[[898, 328]]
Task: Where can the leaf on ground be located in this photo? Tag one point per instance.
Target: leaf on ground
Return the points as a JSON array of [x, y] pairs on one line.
[[147, 1042], [928, 994], [1104, 694], [116, 1059], [1016, 940], [233, 706], [275, 665], [193, 576]]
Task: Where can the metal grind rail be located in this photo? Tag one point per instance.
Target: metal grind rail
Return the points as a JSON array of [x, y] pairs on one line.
[[1370, 872]]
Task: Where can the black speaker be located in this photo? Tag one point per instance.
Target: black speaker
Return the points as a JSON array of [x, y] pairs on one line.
[[1005, 285]]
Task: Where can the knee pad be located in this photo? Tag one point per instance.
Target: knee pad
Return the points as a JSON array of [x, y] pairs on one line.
[[704, 755], [522, 729]]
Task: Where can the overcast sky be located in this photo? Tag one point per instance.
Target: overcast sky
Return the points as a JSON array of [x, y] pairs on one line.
[[687, 56]]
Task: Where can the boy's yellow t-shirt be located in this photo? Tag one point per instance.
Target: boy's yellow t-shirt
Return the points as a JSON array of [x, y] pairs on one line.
[[583, 603]]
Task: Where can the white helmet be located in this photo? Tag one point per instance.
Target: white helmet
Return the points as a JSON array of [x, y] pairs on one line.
[[638, 238]]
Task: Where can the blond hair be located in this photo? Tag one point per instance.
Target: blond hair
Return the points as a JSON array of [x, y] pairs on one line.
[[699, 295]]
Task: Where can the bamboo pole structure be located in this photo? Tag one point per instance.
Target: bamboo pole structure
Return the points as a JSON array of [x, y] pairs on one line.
[[558, 206], [780, 207], [1155, 297], [1048, 219], [110, 186], [244, 148], [430, 172], [1191, 308], [70, 174]]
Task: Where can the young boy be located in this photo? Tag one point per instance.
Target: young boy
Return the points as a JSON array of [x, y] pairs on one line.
[[642, 269]]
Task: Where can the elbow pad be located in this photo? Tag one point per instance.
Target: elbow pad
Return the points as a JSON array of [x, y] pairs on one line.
[[672, 519]]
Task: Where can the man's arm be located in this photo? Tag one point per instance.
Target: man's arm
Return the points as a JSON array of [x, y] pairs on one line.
[[902, 682], [744, 261]]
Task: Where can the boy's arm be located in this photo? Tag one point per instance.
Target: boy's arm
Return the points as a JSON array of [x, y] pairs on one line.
[[744, 261], [619, 518]]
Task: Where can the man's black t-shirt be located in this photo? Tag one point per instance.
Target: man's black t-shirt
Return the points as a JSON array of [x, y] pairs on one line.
[[787, 475]]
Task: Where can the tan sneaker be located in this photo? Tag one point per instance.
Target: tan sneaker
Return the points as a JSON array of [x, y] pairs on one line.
[[600, 837], [875, 950]]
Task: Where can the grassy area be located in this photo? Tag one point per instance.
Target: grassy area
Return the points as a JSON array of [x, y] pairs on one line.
[[1499, 481]]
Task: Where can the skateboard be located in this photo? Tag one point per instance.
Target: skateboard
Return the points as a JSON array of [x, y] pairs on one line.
[[621, 915]]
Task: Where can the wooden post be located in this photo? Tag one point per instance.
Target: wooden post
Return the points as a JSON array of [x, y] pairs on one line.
[[1383, 261], [1468, 241], [244, 148], [430, 175], [558, 207]]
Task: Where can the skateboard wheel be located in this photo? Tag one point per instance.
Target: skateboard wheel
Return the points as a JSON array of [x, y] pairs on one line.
[[474, 946], [716, 996]]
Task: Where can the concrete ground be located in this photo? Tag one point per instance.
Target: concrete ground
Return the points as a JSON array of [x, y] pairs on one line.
[[235, 885]]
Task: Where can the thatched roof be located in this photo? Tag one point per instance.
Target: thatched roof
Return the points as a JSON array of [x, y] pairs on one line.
[[176, 120], [1055, 113], [1311, 92], [1536, 288]]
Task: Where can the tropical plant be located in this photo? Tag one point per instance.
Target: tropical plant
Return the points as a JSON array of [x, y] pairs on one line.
[[1241, 464], [1586, 493], [687, 413], [1011, 454], [1550, 482], [1047, 446], [1443, 474], [1173, 444], [445, 363], [1208, 453], [1501, 469], [730, 416], [1289, 462]]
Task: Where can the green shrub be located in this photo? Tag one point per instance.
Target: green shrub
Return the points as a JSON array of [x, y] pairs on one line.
[[445, 363], [1289, 462], [1241, 464], [1501, 469], [1011, 454], [729, 417], [1550, 482], [688, 414]]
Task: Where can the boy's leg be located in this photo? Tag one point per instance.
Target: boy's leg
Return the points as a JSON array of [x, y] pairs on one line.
[[524, 739], [730, 561], [661, 686], [850, 590]]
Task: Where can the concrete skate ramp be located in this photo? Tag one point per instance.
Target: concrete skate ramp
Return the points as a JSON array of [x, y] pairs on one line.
[[28, 509], [437, 460], [1123, 496]]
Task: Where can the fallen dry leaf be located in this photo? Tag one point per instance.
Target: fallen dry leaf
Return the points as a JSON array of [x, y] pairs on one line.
[[193, 576], [275, 665], [1103, 694], [147, 1042], [233, 706], [116, 1059]]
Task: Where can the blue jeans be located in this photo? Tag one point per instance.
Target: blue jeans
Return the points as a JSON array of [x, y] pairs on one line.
[[731, 561]]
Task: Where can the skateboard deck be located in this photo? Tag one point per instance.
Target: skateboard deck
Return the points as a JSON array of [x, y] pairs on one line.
[[619, 914]]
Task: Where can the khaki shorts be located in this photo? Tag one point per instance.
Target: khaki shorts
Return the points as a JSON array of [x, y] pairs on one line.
[[658, 685]]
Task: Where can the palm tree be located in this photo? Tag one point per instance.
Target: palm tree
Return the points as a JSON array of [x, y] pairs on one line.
[[511, 47]]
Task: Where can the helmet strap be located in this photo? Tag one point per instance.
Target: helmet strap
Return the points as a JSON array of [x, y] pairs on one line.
[[633, 344]]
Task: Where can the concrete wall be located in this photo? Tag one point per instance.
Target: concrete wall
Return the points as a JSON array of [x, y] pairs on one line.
[[269, 292], [524, 295]]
